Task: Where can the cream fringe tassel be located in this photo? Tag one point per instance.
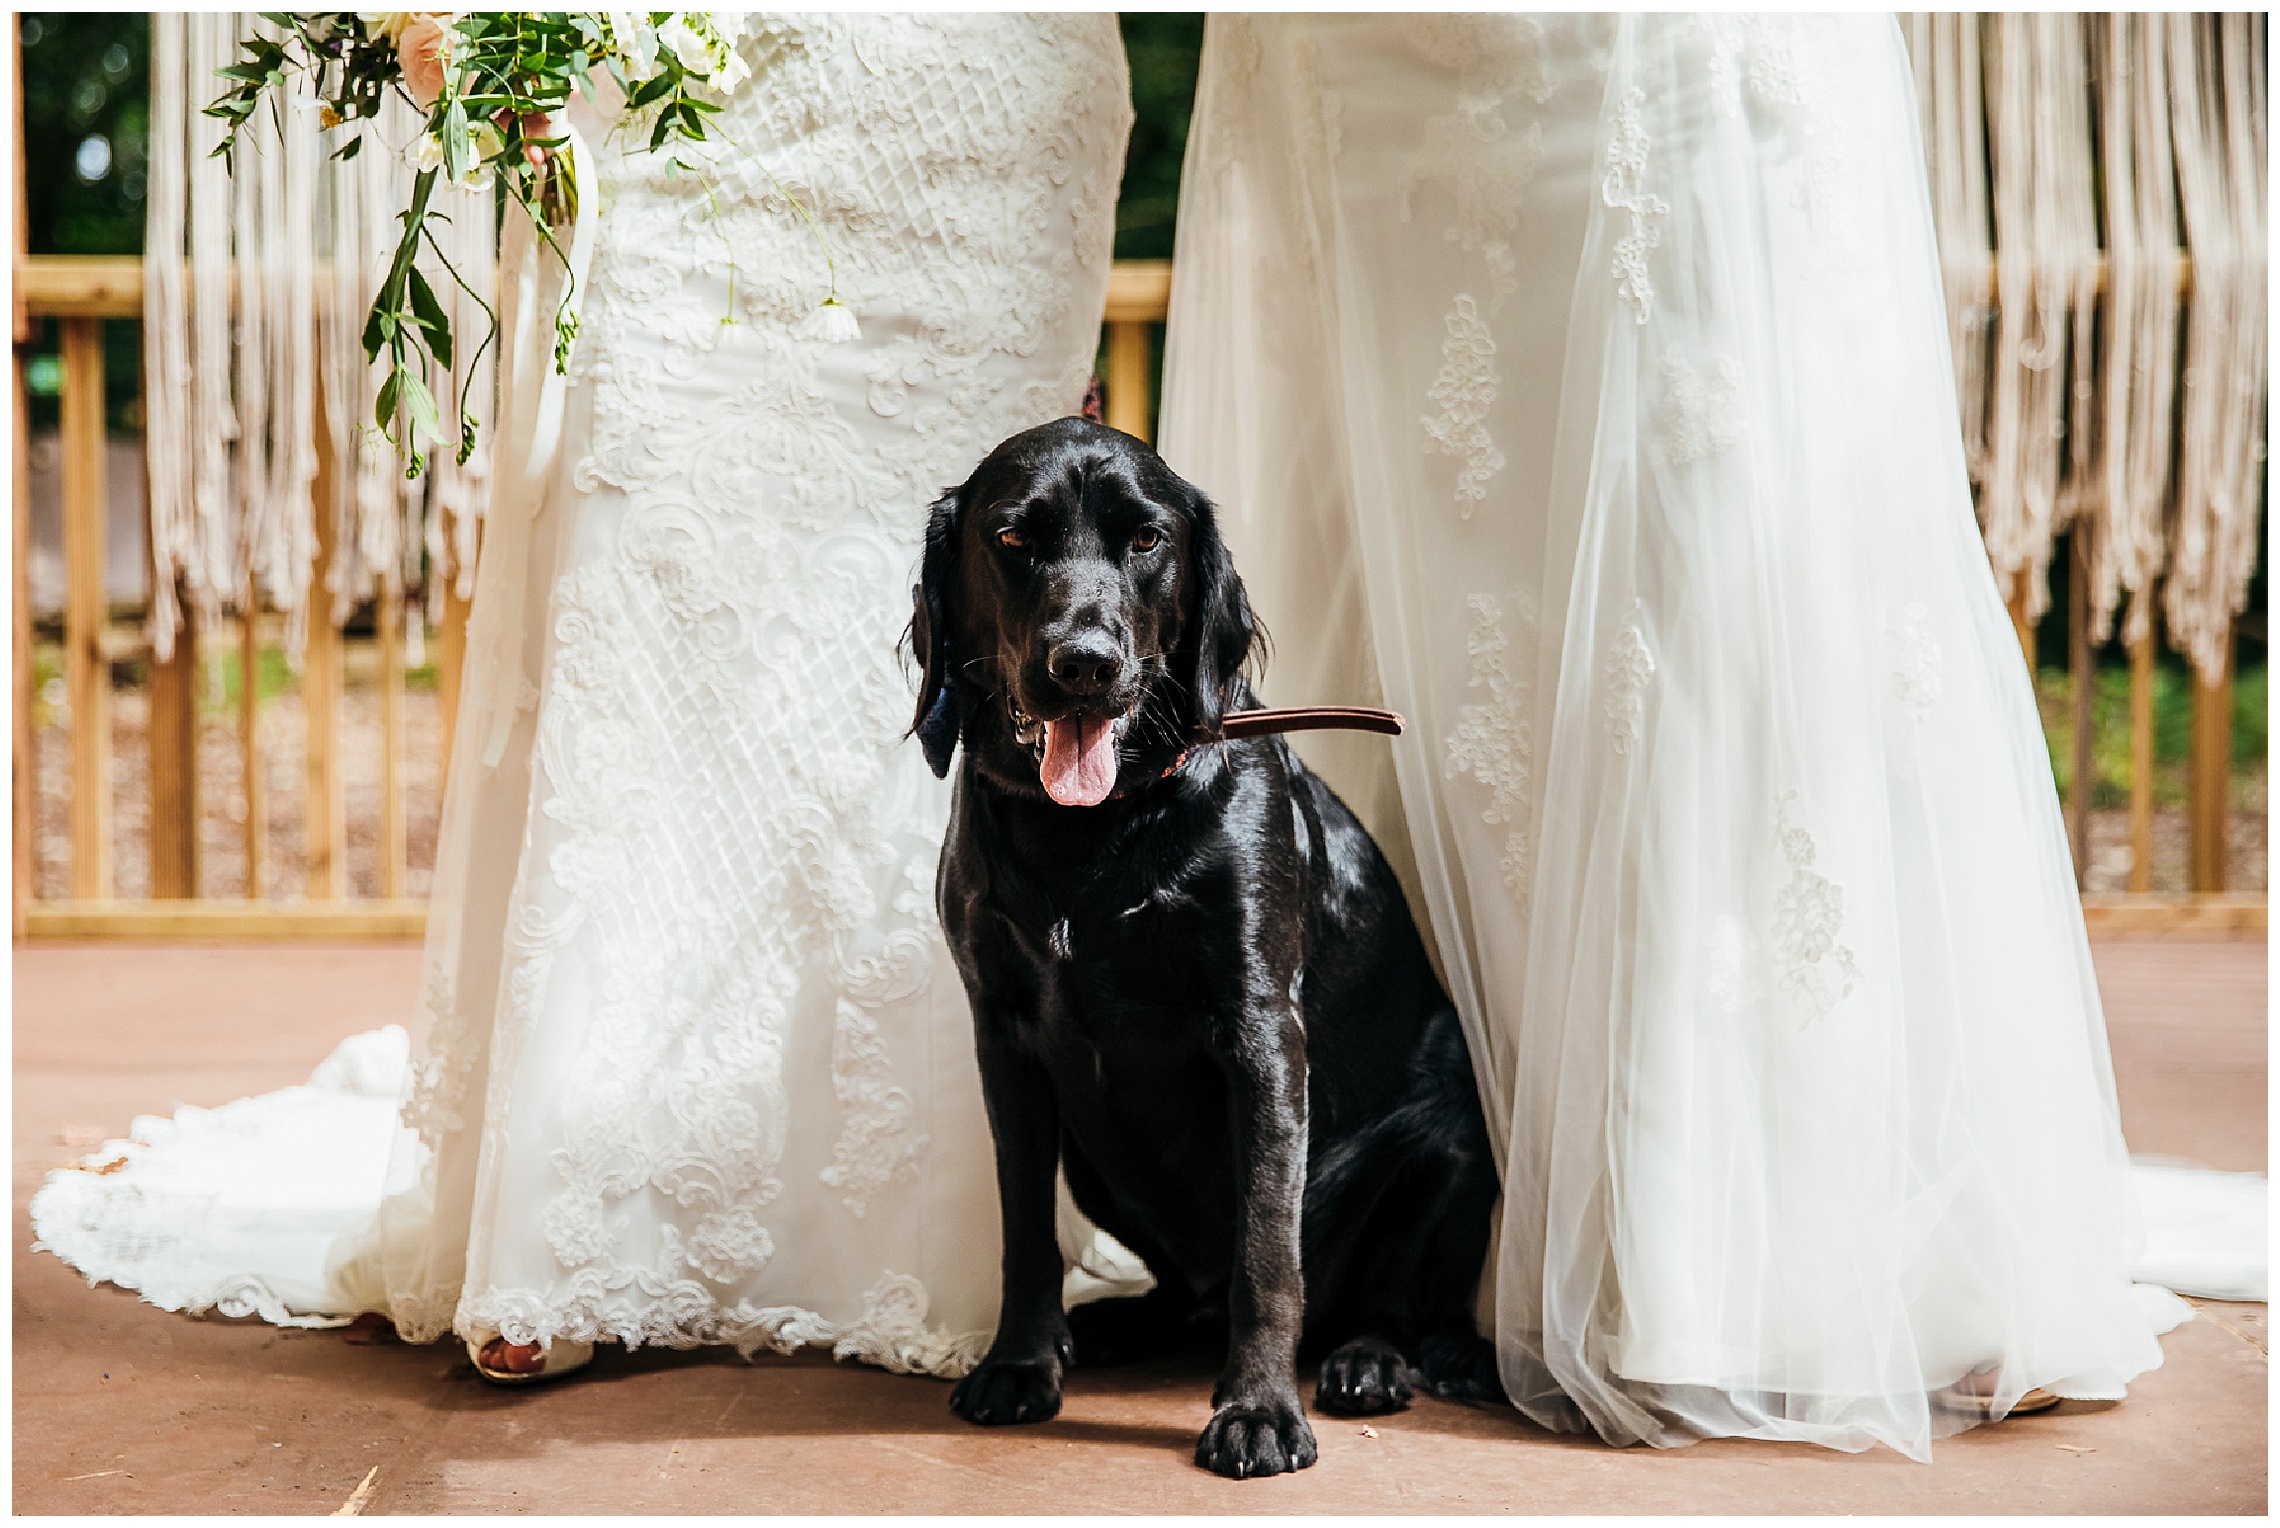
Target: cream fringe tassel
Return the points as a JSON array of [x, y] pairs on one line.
[[273, 268]]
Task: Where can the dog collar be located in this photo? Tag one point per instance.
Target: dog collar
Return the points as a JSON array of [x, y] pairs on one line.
[[1257, 722]]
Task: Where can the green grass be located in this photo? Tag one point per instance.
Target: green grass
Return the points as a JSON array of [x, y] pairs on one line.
[[276, 678], [2172, 729]]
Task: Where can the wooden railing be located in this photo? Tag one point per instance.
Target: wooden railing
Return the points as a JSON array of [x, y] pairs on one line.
[[83, 293]]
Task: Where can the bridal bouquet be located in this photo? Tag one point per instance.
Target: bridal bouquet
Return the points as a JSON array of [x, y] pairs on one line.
[[490, 85]]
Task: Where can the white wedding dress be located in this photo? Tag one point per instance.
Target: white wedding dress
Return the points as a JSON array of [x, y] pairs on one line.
[[698, 1067], [1577, 387]]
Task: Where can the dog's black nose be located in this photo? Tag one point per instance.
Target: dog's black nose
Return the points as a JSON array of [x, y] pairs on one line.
[[1085, 664]]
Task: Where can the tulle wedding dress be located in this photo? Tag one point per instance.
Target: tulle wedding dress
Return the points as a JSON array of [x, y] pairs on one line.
[[1577, 386], [698, 1068]]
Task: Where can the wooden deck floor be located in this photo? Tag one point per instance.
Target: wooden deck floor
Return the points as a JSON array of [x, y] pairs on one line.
[[123, 1408]]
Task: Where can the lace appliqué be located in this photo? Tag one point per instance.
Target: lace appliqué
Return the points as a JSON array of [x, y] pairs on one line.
[[1464, 392], [1629, 668], [1787, 81], [723, 824], [876, 1143], [1487, 165], [1810, 966], [1916, 662], [1625, 188], [1699, 418], [1494, 741], [892, 1332], [894, 1335]]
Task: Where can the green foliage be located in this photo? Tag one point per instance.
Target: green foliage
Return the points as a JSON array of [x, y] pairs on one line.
[[2172, 729], [503, 74], [86, 76], [276, 678], [1164, 48]]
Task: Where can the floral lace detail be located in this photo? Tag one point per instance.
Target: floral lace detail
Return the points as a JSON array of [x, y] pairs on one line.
[[1487, 165], [1628, 669], [1916, 662], [441, 1076], [1465, 391], [892, 1332], [1625, 188], [1699, 418], [875, 1142], [729, 844], [1786, 79], [894, 1335], [1494, 741], [1812, 968]]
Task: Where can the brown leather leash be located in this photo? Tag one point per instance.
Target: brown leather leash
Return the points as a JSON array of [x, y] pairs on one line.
[[1268, 719]]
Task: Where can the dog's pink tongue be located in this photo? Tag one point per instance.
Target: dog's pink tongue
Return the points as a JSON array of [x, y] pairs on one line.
[[1080, 761]]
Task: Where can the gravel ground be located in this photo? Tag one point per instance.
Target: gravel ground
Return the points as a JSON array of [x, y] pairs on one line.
[[221, 800]]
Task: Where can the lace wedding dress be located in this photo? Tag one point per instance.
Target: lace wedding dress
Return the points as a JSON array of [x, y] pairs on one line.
[[698, 1068], [1577, 386]]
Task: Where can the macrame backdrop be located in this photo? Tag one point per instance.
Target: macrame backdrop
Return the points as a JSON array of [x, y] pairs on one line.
[[2098, 185], [2077, 161], [253, 329]]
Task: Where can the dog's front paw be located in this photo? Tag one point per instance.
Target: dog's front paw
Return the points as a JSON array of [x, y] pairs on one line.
[[1243, 1440], [1364, 1377], [1460, 1367], [1002, 1390]]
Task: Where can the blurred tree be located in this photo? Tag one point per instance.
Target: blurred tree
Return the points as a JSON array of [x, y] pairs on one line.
[[86, 130], [1164, 48]]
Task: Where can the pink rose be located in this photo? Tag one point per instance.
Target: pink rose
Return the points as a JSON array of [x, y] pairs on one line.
[[423, 48]]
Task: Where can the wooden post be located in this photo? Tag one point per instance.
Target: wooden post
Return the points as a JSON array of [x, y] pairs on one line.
[[1139, 295], [2081, 663], [324, 815], [450, 665], [173, 739], [2209, 784], [2017, 604], [1131, 404], [25, 761], [249, 745], [2141, 763], [24, 769], [174, 766], [389, 622], [86, 607]]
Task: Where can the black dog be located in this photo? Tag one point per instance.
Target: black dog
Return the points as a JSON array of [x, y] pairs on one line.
[[1195, 982]]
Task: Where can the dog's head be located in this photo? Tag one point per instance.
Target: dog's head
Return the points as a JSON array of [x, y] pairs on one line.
[[1078, 618]]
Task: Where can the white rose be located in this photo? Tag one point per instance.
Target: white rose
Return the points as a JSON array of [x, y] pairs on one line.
[[688, 44], [636, 44]]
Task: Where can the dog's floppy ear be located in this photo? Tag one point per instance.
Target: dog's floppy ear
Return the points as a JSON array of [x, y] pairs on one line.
[[1221, 630], [936, 721]]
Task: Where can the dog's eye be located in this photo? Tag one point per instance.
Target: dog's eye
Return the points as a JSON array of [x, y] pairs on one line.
[[1013, 539], [1146, 540]]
